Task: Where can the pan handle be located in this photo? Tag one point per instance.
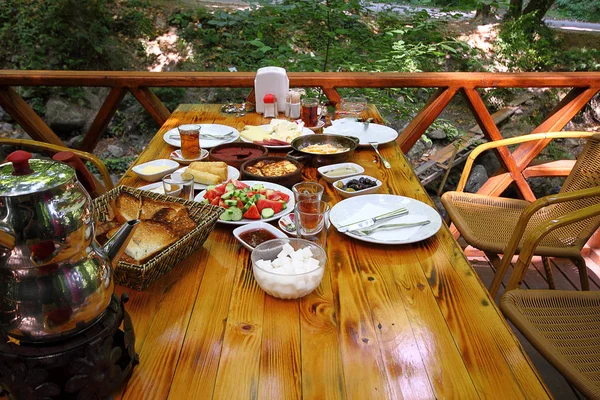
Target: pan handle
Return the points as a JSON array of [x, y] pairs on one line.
[[354, 139], [298, 156]]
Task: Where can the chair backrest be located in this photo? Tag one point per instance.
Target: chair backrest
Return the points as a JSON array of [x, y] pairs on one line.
[[585, 174]]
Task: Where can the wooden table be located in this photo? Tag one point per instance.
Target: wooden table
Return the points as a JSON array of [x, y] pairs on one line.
[[409, 321]]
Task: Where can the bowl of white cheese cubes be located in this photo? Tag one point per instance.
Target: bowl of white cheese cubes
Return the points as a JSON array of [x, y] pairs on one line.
[[288, 268]]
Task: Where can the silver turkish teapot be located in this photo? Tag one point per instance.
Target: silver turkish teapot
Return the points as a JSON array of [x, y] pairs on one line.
[[55, 280]]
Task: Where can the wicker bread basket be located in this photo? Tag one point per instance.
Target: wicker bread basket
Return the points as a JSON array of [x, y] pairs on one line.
[[138, 277]]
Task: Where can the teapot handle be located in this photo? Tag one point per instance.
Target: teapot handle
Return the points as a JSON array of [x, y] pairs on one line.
[[7, 237]]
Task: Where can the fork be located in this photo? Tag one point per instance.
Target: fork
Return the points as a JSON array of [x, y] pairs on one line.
[[383, 160], [367, 232]]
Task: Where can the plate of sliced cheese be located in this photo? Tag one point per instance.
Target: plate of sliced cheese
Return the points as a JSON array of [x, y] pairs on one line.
[[208, 173], [277, 135]]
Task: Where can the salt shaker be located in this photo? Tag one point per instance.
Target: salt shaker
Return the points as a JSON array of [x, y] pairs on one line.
[[270, 102]]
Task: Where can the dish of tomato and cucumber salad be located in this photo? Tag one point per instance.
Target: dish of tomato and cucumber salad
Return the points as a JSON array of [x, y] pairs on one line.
[[248, 201]]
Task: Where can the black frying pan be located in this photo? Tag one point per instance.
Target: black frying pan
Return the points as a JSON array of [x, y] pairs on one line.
[[347, 142]]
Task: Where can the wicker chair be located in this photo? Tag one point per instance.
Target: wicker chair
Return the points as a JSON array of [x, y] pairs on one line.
[[51, 148], [499, 225], [564, 326]]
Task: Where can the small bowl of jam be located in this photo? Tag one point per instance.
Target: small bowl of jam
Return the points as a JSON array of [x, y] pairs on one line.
[[255, 233]]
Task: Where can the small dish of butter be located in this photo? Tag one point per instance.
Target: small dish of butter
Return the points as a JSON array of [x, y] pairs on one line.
[[334, 172], [156, 169]]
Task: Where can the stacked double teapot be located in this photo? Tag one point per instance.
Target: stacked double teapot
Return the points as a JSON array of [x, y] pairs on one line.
[[55, 280]]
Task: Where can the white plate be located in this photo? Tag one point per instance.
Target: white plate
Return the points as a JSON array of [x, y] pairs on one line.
[[365, 132], [232, 173], [356, 209], [176, 156], [268, 185], [213, 129], [305, 131], [156, 187]]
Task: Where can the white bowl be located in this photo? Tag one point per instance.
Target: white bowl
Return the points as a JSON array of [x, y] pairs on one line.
[[237, 232], [168, 166], [290, 285], [346, 194], [331, 179]]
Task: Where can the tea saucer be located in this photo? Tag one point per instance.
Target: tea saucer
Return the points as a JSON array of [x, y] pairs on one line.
[[285, 222], [176, 155]]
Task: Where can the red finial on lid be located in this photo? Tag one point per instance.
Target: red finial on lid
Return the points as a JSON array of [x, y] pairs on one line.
[[269, 98], [20, 161]]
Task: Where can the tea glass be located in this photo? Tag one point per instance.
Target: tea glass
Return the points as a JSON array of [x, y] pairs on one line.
[[309, 111], [179, 185], [352, 107], [308, 191], [312, 221], [190, 141]]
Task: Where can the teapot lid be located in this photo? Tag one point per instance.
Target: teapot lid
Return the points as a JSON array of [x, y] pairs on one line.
[[24, 176]]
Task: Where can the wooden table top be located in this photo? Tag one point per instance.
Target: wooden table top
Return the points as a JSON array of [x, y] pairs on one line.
[[407, 321]]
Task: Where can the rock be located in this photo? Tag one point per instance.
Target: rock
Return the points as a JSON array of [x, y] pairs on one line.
[[572, 143], [4, 116], [417, 150], [436, 134], [489, 160], [594, 105], [115, 151], [6, 127], [477, 178], [64, 117], [518, 111], [74, 142], [160, 22], [543, 186], [530, 102]]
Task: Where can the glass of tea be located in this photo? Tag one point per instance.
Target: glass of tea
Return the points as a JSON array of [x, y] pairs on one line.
[[312, 221], [309, 111], [179, 185], [190, 141], [308, 191], [353, 107]]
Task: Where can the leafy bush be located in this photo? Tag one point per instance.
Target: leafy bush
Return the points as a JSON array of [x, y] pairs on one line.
[[70, 34], [585, 10]]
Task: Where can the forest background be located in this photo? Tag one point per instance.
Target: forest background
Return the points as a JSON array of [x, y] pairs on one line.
[[299, 35]]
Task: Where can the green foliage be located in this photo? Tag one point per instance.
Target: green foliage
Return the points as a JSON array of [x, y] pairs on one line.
[[584, 10], [119, 165], [70, 34]]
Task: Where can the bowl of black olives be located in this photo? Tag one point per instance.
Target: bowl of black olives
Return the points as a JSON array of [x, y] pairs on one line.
[[357, 185]]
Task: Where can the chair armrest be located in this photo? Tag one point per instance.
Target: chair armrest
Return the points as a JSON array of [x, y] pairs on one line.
[[515, 140], [108, 184], [533, 239]]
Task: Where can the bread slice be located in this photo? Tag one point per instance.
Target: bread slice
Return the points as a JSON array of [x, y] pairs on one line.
[[127, 207], [149, 239], [150, 208]]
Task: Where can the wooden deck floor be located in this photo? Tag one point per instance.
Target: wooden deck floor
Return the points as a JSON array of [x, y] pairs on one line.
[[566, 278]]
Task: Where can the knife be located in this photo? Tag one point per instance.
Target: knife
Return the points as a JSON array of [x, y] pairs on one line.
[[372, 221]]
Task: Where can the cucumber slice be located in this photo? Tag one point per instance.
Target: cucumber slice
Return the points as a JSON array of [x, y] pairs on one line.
[[230, 187], [226, 216], [227, 195], [236, 213], [247, 206], [210, 187], [267, 212], [231, 202], [257, 187], [205, 201], [284, 205]]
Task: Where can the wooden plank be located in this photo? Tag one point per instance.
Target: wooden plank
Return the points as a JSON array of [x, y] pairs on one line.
[[491, 132], [553, 168], [300, 79], [26, 117], [152, 104], [418, 125], [332, 94], [497, 117], [102, 119]]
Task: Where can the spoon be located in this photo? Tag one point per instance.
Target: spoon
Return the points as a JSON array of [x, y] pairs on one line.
[[383, 160], [367, 232]]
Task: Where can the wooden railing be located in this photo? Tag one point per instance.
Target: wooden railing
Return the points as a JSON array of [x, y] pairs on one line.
[[583, 85]]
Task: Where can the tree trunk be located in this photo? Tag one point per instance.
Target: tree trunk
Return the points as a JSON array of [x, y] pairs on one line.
[[483, 12], [514, 10], [539, 6]]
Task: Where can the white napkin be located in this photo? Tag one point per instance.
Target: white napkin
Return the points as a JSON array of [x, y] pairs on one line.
[[397, 234]]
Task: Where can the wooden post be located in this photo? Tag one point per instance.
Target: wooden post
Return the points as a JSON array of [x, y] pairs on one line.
[[152, 104]]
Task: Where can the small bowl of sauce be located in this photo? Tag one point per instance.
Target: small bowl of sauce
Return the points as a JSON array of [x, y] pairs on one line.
[[235, 154], [152, 171], [255, 233]]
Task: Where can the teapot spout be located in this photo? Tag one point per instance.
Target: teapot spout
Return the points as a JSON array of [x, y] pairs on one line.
[[117, 244]]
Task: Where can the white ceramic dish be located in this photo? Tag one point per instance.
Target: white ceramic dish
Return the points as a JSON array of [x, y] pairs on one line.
[[365, 132], [232, 173], [156, 187], [287, 220], [237, 232], [346, 194], [305, 131], [287, 285], [167, 166], [356, 209], [290, 204], [331, 179], [172, 135], [176, 156]]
